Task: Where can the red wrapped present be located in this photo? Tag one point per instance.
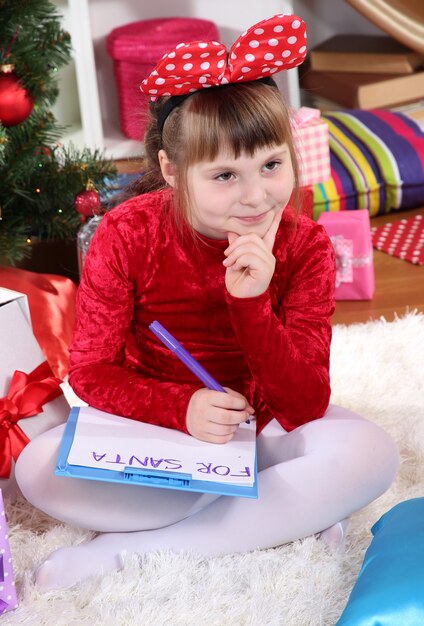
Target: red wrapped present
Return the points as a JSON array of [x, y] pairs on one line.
[[51, 300], [350, 234], [404, 239], [310, 134]]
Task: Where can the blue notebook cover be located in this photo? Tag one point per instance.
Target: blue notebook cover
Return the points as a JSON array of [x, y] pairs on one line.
[[145, 476]]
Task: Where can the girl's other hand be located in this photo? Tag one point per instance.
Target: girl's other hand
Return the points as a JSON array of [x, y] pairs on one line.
[[214, 416], [249, 261]]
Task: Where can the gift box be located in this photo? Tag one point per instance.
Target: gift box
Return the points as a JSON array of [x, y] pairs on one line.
[[8, 599], [350, 234], [31, 400], [310, 134], [51, 300], [136, 49]]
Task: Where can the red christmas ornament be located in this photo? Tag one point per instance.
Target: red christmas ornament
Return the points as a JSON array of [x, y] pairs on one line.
[[87, 202], [15, 102]]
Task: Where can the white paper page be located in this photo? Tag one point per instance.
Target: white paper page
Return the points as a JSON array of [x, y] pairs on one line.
[[110, 442]]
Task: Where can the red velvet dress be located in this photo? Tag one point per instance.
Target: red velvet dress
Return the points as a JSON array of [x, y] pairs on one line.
[[273, 348]]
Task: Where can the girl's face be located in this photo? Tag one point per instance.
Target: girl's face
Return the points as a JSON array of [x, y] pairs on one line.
[[239, 195]]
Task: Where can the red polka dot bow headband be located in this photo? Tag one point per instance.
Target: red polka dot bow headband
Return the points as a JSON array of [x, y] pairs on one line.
[[272, 45]]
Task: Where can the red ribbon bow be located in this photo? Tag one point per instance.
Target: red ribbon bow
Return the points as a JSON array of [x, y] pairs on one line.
[[27, 393], [269, 46]]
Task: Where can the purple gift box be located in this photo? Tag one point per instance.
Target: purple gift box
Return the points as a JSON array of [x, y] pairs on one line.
[[350, 234], [8, 599]]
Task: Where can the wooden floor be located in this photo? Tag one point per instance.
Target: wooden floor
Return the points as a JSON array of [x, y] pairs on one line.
[[399, 284]]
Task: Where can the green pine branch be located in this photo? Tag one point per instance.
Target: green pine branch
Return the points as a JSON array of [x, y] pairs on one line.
[[33, 40], [39, 178], [3, 143], [41, 204]]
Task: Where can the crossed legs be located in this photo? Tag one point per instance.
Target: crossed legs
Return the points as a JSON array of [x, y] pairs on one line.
[[308, 480]]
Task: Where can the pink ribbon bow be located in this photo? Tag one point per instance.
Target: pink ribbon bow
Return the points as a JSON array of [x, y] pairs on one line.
[[343, 249], [269, 46], [304, 116]]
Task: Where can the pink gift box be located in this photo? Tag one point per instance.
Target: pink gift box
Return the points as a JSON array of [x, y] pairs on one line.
[[350, 234], [8, 600], [310, 134]]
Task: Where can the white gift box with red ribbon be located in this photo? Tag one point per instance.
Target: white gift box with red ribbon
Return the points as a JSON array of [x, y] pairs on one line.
[[350, 234], [28, 402], [310, 134]]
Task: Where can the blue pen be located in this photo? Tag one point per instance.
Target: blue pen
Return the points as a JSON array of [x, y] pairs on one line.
[[184, 356]]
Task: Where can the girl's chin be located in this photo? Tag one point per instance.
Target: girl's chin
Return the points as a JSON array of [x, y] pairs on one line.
[[243, 228], [236, 226]]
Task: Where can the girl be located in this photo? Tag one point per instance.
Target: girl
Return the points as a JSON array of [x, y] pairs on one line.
[[213, 249]]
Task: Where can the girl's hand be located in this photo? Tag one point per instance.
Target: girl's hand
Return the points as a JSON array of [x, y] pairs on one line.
[[250, 263], [214, 416]]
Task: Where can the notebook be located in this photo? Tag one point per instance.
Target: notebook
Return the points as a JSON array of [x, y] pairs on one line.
[[101, 446]]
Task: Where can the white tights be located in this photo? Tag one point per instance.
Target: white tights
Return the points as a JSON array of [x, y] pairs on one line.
[[309, 480]]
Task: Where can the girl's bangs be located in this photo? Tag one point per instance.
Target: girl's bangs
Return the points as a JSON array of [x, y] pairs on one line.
[[234, 122]]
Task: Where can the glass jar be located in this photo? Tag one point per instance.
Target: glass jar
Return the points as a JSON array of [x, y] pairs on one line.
[[84, 237]]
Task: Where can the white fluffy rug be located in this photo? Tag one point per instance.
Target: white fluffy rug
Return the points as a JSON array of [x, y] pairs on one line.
[[378, 371]]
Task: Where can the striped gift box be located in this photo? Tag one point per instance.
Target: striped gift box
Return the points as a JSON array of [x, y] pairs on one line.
[[377, 163]]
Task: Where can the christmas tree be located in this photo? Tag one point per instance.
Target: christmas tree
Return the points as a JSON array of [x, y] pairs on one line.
[[44, 186]]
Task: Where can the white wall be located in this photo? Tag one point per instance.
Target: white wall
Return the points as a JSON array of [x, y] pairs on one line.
[[67, 108], [325, 18]]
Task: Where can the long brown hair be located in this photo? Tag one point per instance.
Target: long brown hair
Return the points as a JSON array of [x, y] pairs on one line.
[[235, 118]]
